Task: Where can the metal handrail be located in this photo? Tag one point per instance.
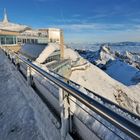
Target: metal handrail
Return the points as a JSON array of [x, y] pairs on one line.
[[105, 100], [117, 120]]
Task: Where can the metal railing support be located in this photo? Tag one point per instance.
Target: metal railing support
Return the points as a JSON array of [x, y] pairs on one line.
[[29, 77], [17, 62], [64, 105]]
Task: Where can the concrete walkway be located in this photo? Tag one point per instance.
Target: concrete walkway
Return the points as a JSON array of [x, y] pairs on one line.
[[17, 119]]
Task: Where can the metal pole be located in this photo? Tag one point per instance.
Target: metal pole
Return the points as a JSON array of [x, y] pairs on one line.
[[29, 80], [64, 105], [17, 62]]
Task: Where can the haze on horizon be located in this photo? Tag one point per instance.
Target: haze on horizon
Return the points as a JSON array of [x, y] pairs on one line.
[[82, 20]]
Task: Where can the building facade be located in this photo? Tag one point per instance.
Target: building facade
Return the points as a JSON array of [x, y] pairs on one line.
[[13, 34]]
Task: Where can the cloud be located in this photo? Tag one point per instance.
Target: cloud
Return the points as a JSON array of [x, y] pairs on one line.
[[136, 20], [99, 27]]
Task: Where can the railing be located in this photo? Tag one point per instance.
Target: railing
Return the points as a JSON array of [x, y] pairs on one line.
[[111, 116]]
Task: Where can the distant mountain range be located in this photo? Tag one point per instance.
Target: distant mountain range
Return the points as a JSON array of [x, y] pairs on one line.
[[127, 43], [117, 46]]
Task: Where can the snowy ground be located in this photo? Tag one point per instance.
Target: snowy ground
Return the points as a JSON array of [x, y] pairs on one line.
[[22, 115], [16, 116]]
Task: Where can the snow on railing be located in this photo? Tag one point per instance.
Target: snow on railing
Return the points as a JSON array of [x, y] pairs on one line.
[[114, 107], [111, 112]]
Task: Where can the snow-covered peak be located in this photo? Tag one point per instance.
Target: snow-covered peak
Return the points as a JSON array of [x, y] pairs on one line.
[[105, 48], [104, 55], [135, 57]]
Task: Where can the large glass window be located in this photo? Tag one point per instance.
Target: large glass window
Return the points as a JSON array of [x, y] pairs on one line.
[[2, 40], [7, 40]]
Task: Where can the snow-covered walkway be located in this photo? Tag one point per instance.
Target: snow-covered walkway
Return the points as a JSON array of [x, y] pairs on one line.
[[17, 119]]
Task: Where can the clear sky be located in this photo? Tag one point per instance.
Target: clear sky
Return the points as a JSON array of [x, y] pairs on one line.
[[82, 20]]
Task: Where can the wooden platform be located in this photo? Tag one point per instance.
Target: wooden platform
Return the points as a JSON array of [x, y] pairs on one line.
[[14, 48]]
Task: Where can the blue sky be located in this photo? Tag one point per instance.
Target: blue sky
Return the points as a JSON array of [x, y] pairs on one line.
[[82, 20]]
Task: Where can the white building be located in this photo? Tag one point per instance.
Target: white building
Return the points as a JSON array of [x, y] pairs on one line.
[[54, 34], [11, 33]]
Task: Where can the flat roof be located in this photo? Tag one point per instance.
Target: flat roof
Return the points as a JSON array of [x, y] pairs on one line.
[[6, 32]]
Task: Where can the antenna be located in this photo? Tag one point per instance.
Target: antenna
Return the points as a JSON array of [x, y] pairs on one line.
[[5, 19]]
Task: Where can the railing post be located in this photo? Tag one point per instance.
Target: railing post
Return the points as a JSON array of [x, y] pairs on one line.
[[12, 56], [17, 63], [29, 77], [64, 104]]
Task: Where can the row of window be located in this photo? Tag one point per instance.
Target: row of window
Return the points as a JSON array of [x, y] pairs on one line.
[[29, 41], [7, 40], [54, 40], [12, 40]]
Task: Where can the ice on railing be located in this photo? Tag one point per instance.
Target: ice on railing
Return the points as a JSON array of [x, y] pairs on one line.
[[102, 101]]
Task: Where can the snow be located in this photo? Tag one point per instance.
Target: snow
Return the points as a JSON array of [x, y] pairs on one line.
[[12, 26], [122, 72], [96, 80], [70, 54], [132, 56], [47, 51], [17, 117], [105, 54], [22, 113], [34, 33]]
